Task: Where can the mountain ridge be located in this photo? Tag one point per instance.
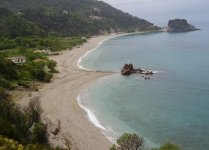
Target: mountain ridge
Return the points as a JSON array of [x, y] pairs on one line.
[[76, 17]]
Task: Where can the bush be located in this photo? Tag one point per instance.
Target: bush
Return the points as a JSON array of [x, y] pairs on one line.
[[7, 129], [33, 56], [4, 83], [47, 77], [39, 133], [129, 142], [23, 126], [38, 130], [8, 144], [51, 65], [8, 69], [41, 75], [34, 111], [114, 147], [38, 147]]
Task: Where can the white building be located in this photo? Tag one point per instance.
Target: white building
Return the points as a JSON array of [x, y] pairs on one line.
[[18, 59]]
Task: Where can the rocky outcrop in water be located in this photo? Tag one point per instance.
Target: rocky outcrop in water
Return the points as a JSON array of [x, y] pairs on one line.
[[180, 25], [129, 69]]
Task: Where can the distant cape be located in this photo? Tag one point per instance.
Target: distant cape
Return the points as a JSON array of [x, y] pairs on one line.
[[180, 25]]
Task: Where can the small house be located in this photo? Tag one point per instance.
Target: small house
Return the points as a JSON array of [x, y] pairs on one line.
[[18, 59]]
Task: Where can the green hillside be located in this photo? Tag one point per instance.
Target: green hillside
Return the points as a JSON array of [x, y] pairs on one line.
[[70, 17], [13, 25], [34, 30]]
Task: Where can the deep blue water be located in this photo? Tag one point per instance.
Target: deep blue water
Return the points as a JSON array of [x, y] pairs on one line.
[[171, 107]]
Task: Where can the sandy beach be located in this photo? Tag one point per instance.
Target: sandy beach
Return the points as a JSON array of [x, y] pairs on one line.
[[59, 100]]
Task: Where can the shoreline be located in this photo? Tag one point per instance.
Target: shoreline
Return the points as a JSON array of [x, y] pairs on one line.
[[59, 100], [64, 134], [91, 116], [89, 51], [82, 133]]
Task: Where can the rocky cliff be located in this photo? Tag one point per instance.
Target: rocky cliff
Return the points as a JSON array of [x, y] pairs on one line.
[[180, 25]]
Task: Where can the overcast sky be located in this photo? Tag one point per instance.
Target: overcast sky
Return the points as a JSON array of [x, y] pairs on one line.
[[160, 11]]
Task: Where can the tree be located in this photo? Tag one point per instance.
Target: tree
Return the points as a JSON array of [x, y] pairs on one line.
[[129, 142], [34, 111], [51, 65]]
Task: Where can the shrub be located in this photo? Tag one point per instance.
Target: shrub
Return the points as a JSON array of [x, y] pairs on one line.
[[39, 133], [4, 83], [8, 144], [8, 129], [23, 126], [51, 65], [34, 111], [129, 142], [8, 69]]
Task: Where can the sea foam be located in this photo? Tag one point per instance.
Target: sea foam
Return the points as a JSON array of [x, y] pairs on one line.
[[108, 133], [79, 62], [91, 115]]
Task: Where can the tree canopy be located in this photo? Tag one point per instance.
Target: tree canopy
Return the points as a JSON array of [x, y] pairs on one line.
[[129, 142], [65, 18]]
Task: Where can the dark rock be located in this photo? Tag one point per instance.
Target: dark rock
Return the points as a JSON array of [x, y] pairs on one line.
[[180, 25], [127, 69], [147, 73]]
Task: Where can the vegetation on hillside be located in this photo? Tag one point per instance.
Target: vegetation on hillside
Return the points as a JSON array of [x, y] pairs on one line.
[[30, 25], [134, 142], [10, 144], [65, 18], [52, 43], [12, 25], [22, 128], [13, 75], [37, 66], [128, 142]]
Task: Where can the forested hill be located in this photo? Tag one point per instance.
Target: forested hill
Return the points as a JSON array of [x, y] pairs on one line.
[[66, 18]]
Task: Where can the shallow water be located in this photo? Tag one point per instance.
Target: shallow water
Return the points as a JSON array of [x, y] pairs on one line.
[[171, 107]]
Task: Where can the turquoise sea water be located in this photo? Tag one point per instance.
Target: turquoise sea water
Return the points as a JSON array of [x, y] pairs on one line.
[[171, 107]]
